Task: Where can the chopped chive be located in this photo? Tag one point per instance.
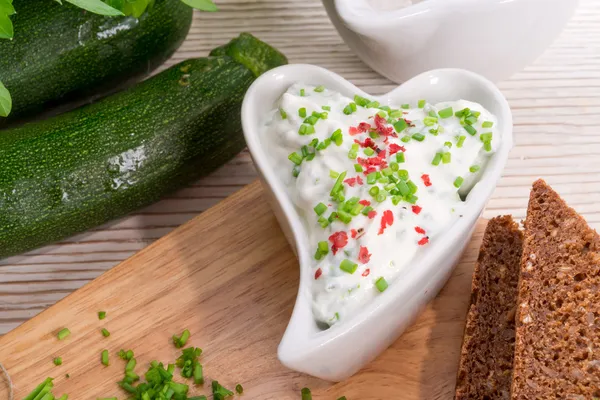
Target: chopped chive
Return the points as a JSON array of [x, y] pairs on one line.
[[476, 114], [446, 112], [356, 209], [323, 222], [369, 151], [383, 179], [405, 139], [381, 114], [333, 174], [485, 137], [400, 158], [390, 186], [347, 110], [337, 137], [374, 191], [411, 198], [358, 168], [461, 141], [372, 178], [57, 361], [319, 88], [130, 364], [344, 216], [306, 129], [470, 120], [353, 106], [198, 375], [396, 200], [361, 101], [104, 358], [458, 182], [418, 137], [295, 158], [474, 168], [311, 120], [403, 188], [63, 333], [320, 208], [323, 247], [324, 115], [66, 397], [411, 187], [105, 332], [326, 108], [296, 171], [385, 108], [394, 165], [436, 160], [372, 104], [239, 389], [101, 315], [129, 355], [487, 146], [470, 130], [386, 171], [446, 158], [306, 395], [179, 342], [302, 92], [448, 144], [461, 113], [421, 103], [400, 125], [433, 131], [403, 174], [381, 284], [396, 114], [405, 106], [302, 112], [348, 266], [282, 113], [337, 186], [373, 134], [380, 198], [429, 121], [366, 210], [487, 124]]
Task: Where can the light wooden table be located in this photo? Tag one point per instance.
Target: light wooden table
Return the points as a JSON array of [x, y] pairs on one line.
[[555, 103]]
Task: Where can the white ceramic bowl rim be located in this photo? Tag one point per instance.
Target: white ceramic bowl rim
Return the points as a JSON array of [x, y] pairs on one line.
[[297, 346]]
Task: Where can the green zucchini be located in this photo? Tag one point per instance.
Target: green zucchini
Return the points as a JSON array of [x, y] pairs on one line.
[[80, 169], [62, 53]]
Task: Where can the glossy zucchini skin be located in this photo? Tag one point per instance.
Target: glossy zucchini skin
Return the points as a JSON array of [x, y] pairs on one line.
[[81, 169], [63, 54]]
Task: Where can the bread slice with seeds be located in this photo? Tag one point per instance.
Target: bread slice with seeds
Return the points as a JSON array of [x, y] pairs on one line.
[[557, 348], [488, 347]]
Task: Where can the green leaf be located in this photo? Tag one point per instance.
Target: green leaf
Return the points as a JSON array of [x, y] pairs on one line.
[[6, 27], [202, 5], [5, 101], [135, 8], [96, 7], [6, 7]]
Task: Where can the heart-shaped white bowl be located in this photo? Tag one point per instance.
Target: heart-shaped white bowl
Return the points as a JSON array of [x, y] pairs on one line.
[[340, 351]]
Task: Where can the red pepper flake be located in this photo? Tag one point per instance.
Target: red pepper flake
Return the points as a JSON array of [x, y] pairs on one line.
[[394, 148], [386, 220], [350, 182], [365, 202], [318, 273], [359, 180], [372, 214], [423, 241], [353, 131], [338, 241], [426, 179], [364, 126], [382, 129], [366, 272], [420, 230], [416, 209], [353, 233], [363, 255]]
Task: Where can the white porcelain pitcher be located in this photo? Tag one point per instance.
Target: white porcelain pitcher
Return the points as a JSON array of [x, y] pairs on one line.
[[495, 38]]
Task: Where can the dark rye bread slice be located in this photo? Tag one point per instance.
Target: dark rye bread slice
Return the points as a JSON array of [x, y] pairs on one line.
[[488, 348], [557, 348]]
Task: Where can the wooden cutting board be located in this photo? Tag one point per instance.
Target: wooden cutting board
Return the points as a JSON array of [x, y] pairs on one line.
[[230, 277]]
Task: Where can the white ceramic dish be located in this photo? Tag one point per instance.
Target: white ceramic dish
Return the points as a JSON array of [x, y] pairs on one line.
[[340, 351], [495, 38]]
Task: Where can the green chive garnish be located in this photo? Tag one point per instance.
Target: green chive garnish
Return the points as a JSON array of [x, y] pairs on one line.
[[461, 141], [405, 139], [302, 92], [337, 186], [361, 101], [396, 114], [105, 332], [320, 208], [372, 104], [348, 266], [487, 146], [446, 112], [337, 137], [105, 358], [295, 158], [394, 165], [470, 120], [421, 103], [326, 108], [282, 113], [400, 125], [372, 178], [63, 333], [306, 129], [101, 315], [446, 158], [429, 121], [463, 112], [380, 198], [319, 88], [311, 120], [369, 151], [296, 171], [458, 182], [344, 216], [381, 284], [57, 361], [487, 124], [418, 137], [470, 130], [485, 137], [302, 112], [474, 168], [180, 341], [358, 168], [405, 106], [436, 160], [239, 389], [333, 174], [374, 191], [306, 395], [323, 222]]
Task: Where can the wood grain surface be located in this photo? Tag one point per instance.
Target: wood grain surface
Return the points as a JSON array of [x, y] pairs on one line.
[[230, 277], [555, 101]]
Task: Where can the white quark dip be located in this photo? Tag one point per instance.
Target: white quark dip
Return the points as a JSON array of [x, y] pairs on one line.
[[374, 185]]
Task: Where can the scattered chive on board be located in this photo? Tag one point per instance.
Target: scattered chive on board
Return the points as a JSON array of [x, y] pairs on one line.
[[101, 315], [63, 334]]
